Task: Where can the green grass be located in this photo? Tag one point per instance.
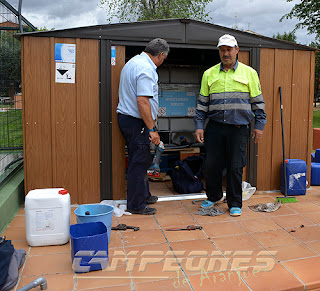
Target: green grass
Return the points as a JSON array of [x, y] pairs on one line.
[[11, 129], [316, 118]]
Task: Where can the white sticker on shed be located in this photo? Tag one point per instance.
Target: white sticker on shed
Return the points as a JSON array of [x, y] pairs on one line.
[[65, 73]]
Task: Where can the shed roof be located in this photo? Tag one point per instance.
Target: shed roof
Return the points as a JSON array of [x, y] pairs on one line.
[[175, 31]]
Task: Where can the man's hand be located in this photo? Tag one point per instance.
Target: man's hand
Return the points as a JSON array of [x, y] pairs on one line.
[[257, 135], [154, 137], [200, 135]]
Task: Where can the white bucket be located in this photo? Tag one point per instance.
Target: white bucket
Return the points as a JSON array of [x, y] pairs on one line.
[[47, 213]]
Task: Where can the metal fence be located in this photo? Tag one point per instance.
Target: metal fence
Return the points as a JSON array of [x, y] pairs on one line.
[[11, 137]]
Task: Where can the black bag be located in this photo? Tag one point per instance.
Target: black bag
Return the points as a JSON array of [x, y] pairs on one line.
[[11, 260], [186, 175], [6, 252]]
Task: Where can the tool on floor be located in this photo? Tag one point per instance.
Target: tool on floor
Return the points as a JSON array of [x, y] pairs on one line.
[[154, 170], [42, 282], [285, 199], [189, 227], [123, 226]]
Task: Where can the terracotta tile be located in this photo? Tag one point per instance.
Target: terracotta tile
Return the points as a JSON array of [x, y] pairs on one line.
[[15, 233], [169, 208], [313, 216], [103, 278], [143, 237], [115, 288], [222, 229], [309, 233], [46, 250], [278, 278], [21, 211], [198, 255], [198, 265], [156, 251], [193, 248], [117, 257], [20, 244], [292, 252], [274, 194], [303, 270], [247, 213], [212, 219], [262, 199], [115, 240], [192, 208], [156, 271], [315, 245], [242, 260], [147, 222], [313, 195], [55, 282], [283, 210], [217, 281], [274, 238], [175, 220], [292, 221], [258, 225], [48, 264], [18, 221], [241, 242], [185, 235], [180, 283], [303, 207]]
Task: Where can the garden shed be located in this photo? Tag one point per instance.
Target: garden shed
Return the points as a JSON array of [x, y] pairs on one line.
[[70, 84]]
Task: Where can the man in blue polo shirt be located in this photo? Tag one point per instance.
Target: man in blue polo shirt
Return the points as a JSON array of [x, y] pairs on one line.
[[230, 97], [137, 111]]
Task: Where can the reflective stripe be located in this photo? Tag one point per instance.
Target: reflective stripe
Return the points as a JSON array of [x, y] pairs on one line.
[[202, 108], [203, 99], [258, 98], [230, 107], [230, 95], [258, 106]]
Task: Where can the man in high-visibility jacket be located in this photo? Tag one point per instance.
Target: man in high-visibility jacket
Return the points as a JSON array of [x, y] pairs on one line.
[[230, 97]]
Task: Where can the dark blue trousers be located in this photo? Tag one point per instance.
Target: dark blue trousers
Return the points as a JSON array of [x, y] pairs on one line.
[[225, 147], [136, 135]]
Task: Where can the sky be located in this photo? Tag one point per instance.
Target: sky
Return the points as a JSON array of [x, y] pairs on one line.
[[260, 16]]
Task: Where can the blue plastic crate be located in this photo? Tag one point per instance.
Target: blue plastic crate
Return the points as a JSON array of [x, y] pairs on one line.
[[315, 174], [296, 172], [89, 246]]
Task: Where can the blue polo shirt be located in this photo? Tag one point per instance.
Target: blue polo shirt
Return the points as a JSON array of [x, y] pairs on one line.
[[138, 78]]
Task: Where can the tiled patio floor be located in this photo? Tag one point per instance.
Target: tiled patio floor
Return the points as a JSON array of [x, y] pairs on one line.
[[256, 251]]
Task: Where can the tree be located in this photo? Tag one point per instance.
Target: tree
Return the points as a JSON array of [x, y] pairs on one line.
[[308, 13], [317, 70], [137, 10], [10, 63], [290, 36]]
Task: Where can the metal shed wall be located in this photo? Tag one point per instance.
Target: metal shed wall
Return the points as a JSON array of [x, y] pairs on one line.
[[71, 138]]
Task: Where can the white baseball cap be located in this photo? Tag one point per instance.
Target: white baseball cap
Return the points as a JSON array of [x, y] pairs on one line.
[[227, 40]]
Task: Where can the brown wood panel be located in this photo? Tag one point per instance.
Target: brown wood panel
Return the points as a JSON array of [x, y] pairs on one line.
[[264, 167], [88, 144], [64, 126], [118, 143], [244, 57], [36, 113], [300, 105], [310, 116], [283, 78]]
